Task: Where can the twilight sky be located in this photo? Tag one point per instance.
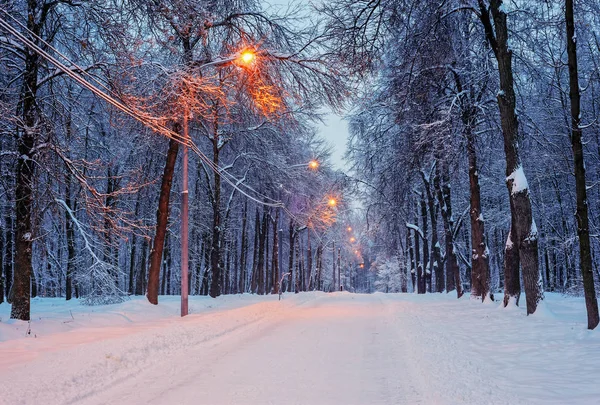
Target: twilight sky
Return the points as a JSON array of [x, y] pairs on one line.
[[334, 129]]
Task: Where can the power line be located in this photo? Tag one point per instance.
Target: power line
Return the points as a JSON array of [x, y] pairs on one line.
[[147, 120]]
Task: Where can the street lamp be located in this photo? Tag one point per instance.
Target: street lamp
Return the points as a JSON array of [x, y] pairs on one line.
[[313, 164], [246, 57], [332, 202]]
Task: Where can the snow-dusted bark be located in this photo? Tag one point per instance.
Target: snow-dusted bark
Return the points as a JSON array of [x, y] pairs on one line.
[[583, 230], [523, 246]]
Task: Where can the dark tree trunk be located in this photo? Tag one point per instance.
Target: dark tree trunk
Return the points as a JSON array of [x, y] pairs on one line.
[[168, 265], [2, 265], [8, 258], [298, 268], [268, 276], [292, 241], [444, 196], [165, 266], [583, 231], [109, 252], [140, 280], [70, 233], [226, 286], [301, 265], [215, 251], [162, 217], [480, 268], [522, 243], [254, 282], [425, 271], [334, 287], [436, 255], [275, 260], [339, 268], [309, 262], [411, 254], [198, 263], [205, 277], [244, 251], [236, 269], [261, 255], [21, 289], [319, 275]]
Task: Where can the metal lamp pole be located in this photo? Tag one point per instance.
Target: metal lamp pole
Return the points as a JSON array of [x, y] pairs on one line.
[[245, 58], [184, 218]]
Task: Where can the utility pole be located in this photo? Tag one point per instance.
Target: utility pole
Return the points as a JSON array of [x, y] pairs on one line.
[[184, 217], [334, 271]]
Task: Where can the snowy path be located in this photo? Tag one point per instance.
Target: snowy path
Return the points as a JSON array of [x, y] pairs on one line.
[[317, 349]]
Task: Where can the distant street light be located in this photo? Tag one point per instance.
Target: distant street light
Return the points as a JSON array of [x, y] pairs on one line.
[[332, 202], [313, 165], [349, 229], [353, 239]]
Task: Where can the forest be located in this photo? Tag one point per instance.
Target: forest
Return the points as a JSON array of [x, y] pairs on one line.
[[170, 147]]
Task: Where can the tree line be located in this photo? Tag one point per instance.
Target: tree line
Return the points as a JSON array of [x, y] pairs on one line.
[[464, 97], [90, 179]]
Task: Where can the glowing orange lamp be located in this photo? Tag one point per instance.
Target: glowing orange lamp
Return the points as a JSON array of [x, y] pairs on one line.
[[247, 57]]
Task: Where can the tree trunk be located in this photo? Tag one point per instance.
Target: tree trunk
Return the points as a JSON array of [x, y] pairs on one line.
[[141, 273], [425, 270], [275, 260], [445, 202], [583, 231], [70, 234], [334, 286], [198, 263], [21, 289], [411, 254], [2, 265], [215, 251], [522, 243], [309, 262], [254, 282], [339, 269], [301, 265], [268, 276], [436, 256], [292, 240], [8, 257], [480, 267], [244, 250], [298, 269], [162, 217], [319, 275], [226, 286], [165, 266]]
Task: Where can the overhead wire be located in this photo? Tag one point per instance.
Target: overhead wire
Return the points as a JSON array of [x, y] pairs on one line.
[[75, 73], [151, 122]]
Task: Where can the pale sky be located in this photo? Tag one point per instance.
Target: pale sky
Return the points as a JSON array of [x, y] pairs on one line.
[[334, 129]]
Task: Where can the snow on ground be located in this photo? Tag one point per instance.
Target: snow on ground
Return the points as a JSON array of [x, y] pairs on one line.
[[309, 348]]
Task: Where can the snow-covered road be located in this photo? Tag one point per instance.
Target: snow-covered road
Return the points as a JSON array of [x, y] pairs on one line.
[[315, 348]]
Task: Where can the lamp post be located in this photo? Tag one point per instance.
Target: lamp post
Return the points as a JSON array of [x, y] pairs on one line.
[[245, 58], [184, 216]]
